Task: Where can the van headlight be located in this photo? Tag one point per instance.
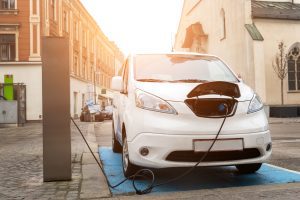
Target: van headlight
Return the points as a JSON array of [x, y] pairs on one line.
[[150, 102], [255, 104]]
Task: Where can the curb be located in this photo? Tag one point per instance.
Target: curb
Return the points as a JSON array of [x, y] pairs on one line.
[[93, 181]]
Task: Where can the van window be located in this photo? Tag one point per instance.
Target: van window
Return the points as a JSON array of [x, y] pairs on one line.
[[181, 68]]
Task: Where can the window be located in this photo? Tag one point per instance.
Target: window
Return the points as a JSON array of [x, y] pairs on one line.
[[83, 100], [83, 69], [66, 21], [223, 24], [181, 68], [7, 47], [121, 70], [75, 103], [108, 60], [92, 44], [92, 72], [294, 68], [101, 53], [7, 4], [53, 9], [76, 33], [46, 11], [76, 64], [84, 38]]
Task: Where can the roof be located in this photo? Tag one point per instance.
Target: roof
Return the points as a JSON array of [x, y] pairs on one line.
[[254, 32], [275, 10]]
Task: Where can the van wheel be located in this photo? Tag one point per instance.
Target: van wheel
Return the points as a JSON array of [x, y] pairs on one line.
[[129, 169], [248, 168], [116, 147]]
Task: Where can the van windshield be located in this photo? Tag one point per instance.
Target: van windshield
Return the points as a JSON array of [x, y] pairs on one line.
[[180, 68]]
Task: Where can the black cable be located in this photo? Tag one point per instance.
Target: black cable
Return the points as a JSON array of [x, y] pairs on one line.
[[99, 164], [143, 172], [148, 190]]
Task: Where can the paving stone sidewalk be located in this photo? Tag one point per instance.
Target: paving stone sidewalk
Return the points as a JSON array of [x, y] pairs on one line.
[[21, 169]]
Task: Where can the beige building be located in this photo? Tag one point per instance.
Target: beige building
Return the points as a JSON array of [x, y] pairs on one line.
[[93, 58], [246, 34]]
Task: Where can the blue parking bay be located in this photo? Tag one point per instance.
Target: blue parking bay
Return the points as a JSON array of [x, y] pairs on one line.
[[200, 178]]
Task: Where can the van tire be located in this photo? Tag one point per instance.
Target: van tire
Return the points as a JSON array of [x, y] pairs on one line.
[[129, 169], [116, 147]]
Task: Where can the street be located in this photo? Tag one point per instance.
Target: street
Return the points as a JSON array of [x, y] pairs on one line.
[[286, 146], [21, 173]]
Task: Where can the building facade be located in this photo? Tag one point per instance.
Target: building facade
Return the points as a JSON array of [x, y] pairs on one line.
[[246, 35], [93, 58]]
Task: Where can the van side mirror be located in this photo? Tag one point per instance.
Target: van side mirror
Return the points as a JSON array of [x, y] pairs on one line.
[[117, 83]]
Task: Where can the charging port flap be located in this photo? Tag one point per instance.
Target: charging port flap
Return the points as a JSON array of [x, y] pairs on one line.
[[217, 87]]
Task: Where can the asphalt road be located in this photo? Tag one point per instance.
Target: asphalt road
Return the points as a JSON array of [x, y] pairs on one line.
[[286, 153], [286, 145]]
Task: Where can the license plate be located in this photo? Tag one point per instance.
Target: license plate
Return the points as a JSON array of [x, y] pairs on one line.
[[220, 145]]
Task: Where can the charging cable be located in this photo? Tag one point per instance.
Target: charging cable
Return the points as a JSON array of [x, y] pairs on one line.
[[149, 173], [149, 189]]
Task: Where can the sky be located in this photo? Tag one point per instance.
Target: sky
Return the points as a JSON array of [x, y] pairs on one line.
[[137, 25]]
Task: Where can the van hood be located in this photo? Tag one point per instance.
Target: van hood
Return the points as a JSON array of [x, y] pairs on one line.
[[179, 91]]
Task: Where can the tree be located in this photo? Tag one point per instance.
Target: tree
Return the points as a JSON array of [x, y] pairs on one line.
[[280, 66]]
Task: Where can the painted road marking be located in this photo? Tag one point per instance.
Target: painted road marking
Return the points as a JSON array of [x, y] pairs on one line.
[[201, 178], [284, 169]]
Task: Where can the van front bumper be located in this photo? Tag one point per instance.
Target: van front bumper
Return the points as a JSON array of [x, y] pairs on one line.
[[166, 150]]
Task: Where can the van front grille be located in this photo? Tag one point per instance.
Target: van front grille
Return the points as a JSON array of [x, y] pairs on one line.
[[215, 156]]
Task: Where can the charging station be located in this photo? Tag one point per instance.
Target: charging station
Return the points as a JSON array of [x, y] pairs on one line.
[[57, 137], [56, 109]]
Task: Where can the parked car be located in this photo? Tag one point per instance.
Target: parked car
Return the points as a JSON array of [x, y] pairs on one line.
[[107, 112], [155, 126], [91, 113]]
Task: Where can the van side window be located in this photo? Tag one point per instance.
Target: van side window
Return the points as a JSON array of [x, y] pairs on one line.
[[121, 70], [125, 77]]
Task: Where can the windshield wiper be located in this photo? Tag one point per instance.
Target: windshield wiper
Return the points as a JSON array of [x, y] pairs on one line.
[[190, 81], [150, 80]]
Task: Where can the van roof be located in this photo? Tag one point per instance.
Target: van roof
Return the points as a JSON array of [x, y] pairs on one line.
[[172, 53]]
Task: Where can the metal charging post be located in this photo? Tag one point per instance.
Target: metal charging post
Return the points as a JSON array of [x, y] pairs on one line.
[[56, 109]]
